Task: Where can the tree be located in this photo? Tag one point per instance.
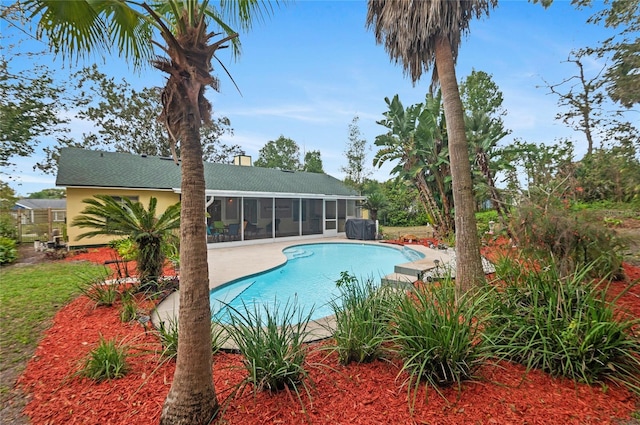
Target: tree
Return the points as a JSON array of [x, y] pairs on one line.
[[416, 139], [283, 153], [623, 76], [126, 120], [53, 193], [312, 162], [482, 101], [375, 201], [587, 111], [422, 34], [77, 29], [583, 99], [356, 153], [29, 110], [106, 215]]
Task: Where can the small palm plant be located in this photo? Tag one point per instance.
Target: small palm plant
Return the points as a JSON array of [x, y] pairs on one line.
[[106, 215]]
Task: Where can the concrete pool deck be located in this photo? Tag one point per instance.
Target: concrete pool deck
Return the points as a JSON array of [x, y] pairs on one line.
[[228, 264]]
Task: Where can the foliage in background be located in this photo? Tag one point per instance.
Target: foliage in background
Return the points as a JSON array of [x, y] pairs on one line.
[[123, 217], [30, 107], [312, 162], [126, 120], [106, 361], [8, 251], [282, 153], [562, 324], [402, 207], [567, 239], [362, 314], [356, 170], [611, 174], [484, 219]]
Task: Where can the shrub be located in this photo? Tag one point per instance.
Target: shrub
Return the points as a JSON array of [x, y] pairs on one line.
[[271, 339], [483, 218], [107, 361], [126, 248], [8, 251], [569, 239], [8, 227], [99, 289], [361, 317], [438, 336], [562, 325]]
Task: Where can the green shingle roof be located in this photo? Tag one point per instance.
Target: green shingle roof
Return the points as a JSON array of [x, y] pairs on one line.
[[86, 168]]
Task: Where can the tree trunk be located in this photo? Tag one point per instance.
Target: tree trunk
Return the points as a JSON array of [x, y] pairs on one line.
[[469, 272], [192, 397]]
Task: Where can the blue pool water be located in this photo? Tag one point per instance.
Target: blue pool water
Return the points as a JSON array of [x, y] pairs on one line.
[[309, 277]]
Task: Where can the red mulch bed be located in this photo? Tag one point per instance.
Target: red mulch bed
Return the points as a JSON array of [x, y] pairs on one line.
[[356, 394]]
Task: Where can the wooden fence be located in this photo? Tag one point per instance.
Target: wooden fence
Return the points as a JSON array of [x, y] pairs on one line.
[[39, 225]]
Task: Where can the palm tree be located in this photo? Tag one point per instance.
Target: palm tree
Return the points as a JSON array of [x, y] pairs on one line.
[[375, 202], [107, 215], [179, 29], [420, 34]]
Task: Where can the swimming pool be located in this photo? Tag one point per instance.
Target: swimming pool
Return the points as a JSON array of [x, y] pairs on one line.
[[309, 276]]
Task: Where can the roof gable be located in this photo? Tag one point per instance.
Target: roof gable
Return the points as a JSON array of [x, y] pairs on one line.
[[81, 167]]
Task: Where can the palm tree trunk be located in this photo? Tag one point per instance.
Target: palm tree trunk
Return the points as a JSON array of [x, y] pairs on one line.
[[469, 272], [192, 397]]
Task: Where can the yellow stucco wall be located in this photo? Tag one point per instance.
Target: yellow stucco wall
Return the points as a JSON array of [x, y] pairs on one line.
[[75, 207]]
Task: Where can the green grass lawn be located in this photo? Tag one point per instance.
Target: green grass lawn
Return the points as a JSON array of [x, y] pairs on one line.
[[30, 295]]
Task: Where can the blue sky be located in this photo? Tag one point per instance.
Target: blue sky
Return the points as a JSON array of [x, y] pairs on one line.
[[306, 71]]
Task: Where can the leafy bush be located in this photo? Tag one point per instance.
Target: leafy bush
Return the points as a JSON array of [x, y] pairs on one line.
[[8, 228], [271, 339], [562, 325], [483, 218], [569, 240], [107, 361], [8, 251], [438, 336], [362, 317], [126, 248], [100, 289]]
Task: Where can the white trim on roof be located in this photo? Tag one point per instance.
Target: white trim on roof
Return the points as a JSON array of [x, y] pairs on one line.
[[119, 188], [246, 194]]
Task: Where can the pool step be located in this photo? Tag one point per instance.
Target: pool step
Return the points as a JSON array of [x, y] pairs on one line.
[[399, 280], [415, 268]]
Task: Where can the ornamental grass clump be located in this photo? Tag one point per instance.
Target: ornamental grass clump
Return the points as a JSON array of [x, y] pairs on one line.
[[167, 332], [563, 325], [107, 361], [99, 289], [361, 319], [437, 336], [271, 339]]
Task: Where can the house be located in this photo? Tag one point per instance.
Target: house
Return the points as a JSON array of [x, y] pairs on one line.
[[245, 204]]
